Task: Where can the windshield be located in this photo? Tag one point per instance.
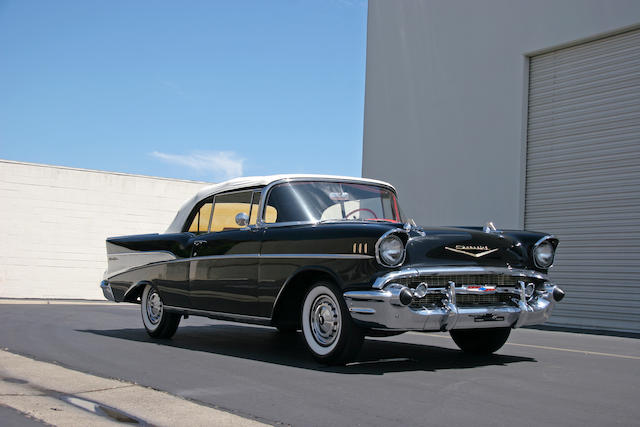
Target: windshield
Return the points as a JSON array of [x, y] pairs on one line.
[[330, 201]]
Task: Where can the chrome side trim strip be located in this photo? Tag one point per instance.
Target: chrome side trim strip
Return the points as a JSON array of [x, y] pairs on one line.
[[287, 256], [276, 256], [119, 254], [121, 262], [110, 275], [327, 256], [380, 282], [230, 256], [243, 318], [362, 310]]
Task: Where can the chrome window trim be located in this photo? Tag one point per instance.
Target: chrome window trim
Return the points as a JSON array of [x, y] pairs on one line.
[[253, 195], [538, 243], [267, 190], [404, 252], [380, 282], [265, 225], [187, 222], [213, 206]]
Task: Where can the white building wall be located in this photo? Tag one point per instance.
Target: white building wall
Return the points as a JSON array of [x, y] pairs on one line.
[[54, 221], [445, 101]]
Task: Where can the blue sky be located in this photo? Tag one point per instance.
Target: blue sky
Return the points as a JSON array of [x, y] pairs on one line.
[[201, 90]]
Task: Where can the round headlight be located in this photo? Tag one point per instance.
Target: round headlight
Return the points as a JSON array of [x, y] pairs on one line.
[[543, 254], [391, 251]]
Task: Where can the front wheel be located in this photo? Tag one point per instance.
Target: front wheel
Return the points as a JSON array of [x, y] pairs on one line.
[[480, 341], [157, 321], [329, 332]]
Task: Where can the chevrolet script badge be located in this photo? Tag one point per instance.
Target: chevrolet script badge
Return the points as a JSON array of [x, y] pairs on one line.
[[462, 249]]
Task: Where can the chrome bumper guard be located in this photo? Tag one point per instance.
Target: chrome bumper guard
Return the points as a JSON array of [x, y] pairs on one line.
[[106, 290], [382, 308]]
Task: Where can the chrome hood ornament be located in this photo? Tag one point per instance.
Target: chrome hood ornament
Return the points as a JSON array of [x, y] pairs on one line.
[[490, 227]]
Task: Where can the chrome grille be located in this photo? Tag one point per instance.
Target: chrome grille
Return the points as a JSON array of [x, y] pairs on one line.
[[464, 300], [460, 280], [429, 301], [434, 300]]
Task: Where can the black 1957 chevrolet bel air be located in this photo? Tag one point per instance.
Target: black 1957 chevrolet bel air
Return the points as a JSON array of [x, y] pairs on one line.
[[334, 257]]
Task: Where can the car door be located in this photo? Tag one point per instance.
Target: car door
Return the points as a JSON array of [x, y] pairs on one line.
[[223, 272]]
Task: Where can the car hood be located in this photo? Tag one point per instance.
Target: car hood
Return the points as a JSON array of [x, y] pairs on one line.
[[459, 246]]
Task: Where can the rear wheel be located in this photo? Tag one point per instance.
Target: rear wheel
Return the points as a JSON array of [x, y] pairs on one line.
[[157, 321], [329, 332], [480, 341]]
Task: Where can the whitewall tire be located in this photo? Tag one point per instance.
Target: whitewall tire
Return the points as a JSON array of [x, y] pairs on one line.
[[157, 321], [329, 332]]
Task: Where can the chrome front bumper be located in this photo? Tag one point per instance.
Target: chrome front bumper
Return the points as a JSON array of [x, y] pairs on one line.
[[382, 308]]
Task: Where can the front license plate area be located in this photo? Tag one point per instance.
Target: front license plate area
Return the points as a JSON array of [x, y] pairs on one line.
[[489, 317]]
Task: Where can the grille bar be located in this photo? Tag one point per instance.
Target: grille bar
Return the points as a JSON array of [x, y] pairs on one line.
[[433, 300], [460, 280]]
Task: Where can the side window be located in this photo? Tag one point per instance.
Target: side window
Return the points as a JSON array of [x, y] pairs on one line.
[[200, 222], [227, 206], [270, 214]]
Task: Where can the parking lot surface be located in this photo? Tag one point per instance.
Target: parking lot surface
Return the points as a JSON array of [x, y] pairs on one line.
[[539, 377], [13, 418]]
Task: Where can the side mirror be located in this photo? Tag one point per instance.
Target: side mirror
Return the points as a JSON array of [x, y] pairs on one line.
[[242, 219]]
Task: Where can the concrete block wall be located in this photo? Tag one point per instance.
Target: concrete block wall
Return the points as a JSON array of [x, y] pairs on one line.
[[54, 221]]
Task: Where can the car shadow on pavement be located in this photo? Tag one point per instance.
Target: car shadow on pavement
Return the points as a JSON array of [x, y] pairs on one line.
[[377, 357]]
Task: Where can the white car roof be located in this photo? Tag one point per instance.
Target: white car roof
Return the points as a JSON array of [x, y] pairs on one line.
[[248, 182]]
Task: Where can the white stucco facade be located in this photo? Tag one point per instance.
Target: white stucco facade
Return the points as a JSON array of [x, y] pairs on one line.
[[54, 221], [446, 97]]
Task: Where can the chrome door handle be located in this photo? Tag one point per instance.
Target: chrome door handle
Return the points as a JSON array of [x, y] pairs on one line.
[[198, 243]]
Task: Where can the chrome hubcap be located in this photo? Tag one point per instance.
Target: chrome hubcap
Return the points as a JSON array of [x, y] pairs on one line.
[[154, 307], [325, 323]]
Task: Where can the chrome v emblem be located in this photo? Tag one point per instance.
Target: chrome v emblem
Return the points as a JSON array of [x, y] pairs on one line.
[[477, 255]]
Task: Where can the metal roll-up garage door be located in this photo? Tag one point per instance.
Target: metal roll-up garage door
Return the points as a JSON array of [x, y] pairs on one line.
[[583, 177]]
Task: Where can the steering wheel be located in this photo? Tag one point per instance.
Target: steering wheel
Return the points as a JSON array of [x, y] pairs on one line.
[[362, 209]]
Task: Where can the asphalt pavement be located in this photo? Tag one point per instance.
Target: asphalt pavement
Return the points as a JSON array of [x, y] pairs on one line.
[[11, 418], [539, 377]]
